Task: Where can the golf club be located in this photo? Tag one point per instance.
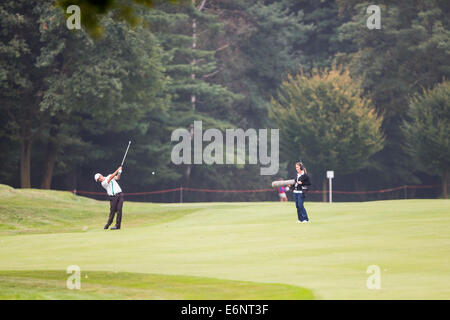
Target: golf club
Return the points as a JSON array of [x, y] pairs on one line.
[[123, 160]]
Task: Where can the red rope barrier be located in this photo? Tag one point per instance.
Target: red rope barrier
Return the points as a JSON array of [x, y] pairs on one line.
[[87, 192], [227, 191], [378, 191], [257, 190], [128, 193], [152, 192]]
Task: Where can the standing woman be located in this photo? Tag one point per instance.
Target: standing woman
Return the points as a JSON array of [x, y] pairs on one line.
[[300, 188]]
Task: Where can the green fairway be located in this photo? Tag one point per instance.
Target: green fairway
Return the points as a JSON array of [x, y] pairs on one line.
[[222, 250]]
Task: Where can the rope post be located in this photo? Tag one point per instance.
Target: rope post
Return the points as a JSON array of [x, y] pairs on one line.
[[330, 176]]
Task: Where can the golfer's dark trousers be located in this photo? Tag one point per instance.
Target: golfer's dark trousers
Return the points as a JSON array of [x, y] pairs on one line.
[[299, 199], [116, 203]]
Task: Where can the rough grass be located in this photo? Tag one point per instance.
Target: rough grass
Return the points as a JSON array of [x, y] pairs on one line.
[[33, 285], [49, 211]]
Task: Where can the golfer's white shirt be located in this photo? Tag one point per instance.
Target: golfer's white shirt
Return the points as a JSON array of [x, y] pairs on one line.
[[112, 188], [298, 175]]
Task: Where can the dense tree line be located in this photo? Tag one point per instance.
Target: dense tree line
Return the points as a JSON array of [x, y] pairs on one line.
[[344, 97]]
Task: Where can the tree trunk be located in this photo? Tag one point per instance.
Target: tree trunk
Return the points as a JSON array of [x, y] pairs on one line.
[[52, 152], [194, 61], [193, 97], [25, 164], [49, 164], [444, 183], [324, 189], [189, 166]]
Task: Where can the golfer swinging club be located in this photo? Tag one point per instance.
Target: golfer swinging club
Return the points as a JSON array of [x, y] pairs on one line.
[[114, 192], [115, 196]]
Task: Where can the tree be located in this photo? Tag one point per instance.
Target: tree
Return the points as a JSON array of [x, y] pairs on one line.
[[409, 52], [325, 122], [270, 49], [185, 34], [69, 91], [123, 10], [96, 87], [322, 42], [427, 131], [20, 90]]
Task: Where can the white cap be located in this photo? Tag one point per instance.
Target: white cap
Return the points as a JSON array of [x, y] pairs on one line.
[[97, 175]]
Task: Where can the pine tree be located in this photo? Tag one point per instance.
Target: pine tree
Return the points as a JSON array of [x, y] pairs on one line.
[[185, 33]]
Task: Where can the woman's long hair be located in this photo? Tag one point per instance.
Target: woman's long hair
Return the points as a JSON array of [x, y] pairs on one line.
[[302, 166]]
